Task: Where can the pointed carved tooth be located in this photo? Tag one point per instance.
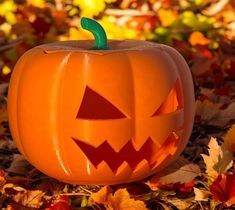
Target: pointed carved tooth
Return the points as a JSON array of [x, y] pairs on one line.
[[141, 170], [124, 170], [117, 144], [139, 140]]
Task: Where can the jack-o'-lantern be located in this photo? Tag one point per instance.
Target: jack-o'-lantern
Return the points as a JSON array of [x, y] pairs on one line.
[[101, 115]]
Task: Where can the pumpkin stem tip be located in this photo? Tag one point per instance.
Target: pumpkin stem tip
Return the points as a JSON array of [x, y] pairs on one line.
[[98, 32]]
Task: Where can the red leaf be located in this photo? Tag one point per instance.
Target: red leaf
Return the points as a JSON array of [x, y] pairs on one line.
[[185, 187], [223, 188], [62, 203]]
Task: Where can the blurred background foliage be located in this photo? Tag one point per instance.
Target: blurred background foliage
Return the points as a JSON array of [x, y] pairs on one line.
[[202, 30]]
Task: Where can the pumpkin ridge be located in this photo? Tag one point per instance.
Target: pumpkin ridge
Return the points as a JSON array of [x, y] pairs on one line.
[[59, 145]]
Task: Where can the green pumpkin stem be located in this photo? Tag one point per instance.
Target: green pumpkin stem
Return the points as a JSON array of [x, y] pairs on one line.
[[98, 32]]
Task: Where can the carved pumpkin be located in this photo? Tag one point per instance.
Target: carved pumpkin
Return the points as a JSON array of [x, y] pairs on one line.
[[101, 116]]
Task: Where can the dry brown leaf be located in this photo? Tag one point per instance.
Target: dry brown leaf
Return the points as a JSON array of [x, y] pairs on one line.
[[181, 171], [229, 139], [201, 194], [19, 165], [219, 160], [181, 204], [224, 116], [207, 110]]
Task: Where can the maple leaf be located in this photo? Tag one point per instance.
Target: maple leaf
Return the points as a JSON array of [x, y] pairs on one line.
[[223, 188], [229, 139], [219, 160], [120, 200], [198, 38]]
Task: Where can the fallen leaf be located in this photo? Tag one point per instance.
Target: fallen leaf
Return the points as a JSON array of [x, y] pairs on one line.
[[121, 200], [223, 188], [184, 187], [224, 116], [30, 198], [181, 204], [201, 194], [229, 139], [60, 203], [102, 195], [19, 165], [181, 171], [219, 160], [206, 110]]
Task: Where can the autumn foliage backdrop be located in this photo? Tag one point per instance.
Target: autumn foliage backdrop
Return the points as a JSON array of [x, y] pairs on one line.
[[203, 31]]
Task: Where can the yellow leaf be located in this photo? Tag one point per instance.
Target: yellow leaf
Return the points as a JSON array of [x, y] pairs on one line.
[[229, 139], [36, 3], [197, 38], [201, 194], [121, 200], [90, 8], [219, 160]]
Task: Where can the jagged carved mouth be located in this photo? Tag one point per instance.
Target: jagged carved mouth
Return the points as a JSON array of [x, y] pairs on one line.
[[150, 151]]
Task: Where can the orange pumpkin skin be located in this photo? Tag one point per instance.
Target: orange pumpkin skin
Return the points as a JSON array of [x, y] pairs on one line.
[[101, 117]]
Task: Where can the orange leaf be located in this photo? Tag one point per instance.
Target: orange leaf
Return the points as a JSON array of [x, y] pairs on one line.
[[102, 195], [197, 38], [167, 16], [229, 139], [121, 200]]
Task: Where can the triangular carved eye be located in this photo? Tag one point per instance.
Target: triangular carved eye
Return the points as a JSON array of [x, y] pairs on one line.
[[95, 106], [172, 103]]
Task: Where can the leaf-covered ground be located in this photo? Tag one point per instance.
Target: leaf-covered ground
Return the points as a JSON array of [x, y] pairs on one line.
[[203, 31]]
